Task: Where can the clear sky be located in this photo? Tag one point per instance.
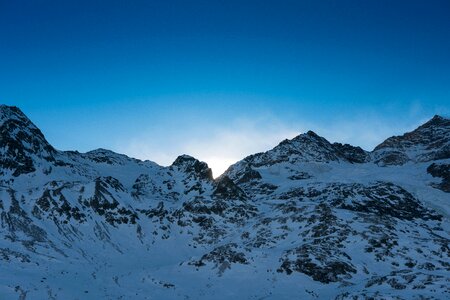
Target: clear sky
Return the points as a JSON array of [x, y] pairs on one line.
[[222, 79]]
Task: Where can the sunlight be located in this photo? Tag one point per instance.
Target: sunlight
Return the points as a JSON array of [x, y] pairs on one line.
[[219, 164]]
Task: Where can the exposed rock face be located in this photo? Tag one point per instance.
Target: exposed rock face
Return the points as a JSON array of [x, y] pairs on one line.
[[227, 189], [108, 157], [433, 135], [308, 147], [21, 142], [190, 165], [441, 170], [351, 153], [307, 219], [429, 142]]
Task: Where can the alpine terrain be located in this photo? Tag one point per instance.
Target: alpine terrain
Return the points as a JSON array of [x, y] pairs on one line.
[[308, 219]]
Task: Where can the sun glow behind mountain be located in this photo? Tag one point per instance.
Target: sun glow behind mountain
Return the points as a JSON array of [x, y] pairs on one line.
[[219, 164], [124, 76], [136, 230], [221, 147], [330, 177]]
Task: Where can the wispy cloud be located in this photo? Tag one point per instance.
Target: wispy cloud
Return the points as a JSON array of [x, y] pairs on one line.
[[244, 137], [219, 147], [366, 132], [222, 146]]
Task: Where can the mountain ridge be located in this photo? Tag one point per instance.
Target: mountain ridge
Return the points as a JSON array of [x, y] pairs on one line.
[[8, 113], [307, 219]]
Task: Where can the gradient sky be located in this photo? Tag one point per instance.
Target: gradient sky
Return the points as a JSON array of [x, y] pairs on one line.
[[222, 79]]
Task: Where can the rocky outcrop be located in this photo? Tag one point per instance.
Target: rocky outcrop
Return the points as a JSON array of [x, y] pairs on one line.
[[192, 166], [22, 144], [430, 141], [307, 219], [441, 170]]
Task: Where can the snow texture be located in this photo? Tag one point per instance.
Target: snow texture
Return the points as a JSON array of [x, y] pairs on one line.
[[305, 220]]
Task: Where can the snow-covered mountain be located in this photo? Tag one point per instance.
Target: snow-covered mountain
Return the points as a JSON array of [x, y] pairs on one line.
[[306, 220]]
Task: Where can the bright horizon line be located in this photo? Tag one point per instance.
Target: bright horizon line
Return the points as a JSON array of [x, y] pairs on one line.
[[219, 164], [220, 146]]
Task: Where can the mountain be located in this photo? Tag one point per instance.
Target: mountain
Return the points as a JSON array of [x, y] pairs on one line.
[[429, 142], [308, 219], [22, 143]]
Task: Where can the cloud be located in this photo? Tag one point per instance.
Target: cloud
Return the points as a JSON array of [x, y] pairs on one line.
[[228, 145], [370, 129], [219, 147], [222, 146]]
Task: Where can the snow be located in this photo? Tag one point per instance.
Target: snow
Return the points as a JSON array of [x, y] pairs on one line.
[[302, 210]]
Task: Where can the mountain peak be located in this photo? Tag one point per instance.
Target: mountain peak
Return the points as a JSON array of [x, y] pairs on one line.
[[300, 201], [432, 138], [438, 117], [102, 155], [312, 134], [426, 134], [11, 113], [303, 139], [310, 137], [437, 121], [14, 123], [306, 147], [182, 159], [189, 164], [4, 107], [103, 152], [20, 141]]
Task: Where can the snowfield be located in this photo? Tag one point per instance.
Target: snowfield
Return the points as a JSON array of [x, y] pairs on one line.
[[305, 220]]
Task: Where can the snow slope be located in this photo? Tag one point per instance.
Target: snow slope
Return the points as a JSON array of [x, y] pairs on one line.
[[305, 220]]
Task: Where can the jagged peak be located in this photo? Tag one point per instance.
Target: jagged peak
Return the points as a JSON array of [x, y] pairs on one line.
[[102, 151], [182, 159], [102, 155], [306, 138], [309, 134], [428, 133], [13, 113], [185, 160], [306, 147], [15, 125], [6, 108], [13, 121], [21, 141], [437, 120], [312, 134], [439, 117], [190, 164]]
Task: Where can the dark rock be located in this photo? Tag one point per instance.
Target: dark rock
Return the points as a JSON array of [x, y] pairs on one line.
[[351, 153], [441, 171], [433, 137], [392, 158], [227, 189], [222, 258], [193, 166], [21, 142]]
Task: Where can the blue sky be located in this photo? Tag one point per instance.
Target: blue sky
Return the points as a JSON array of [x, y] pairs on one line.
[[223, 79]]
